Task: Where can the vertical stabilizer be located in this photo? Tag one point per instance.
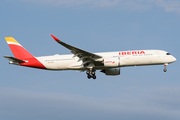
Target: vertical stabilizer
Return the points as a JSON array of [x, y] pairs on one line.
[[22, 56], [19, 51]]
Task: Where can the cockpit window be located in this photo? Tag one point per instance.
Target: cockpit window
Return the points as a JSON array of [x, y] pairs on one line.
[[168, 54]]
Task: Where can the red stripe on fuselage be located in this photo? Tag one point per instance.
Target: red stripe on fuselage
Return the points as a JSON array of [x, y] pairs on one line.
[[33, 62]]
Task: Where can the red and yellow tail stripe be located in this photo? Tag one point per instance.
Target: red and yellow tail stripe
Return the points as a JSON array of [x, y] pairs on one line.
[[21, 53], [11, 40]]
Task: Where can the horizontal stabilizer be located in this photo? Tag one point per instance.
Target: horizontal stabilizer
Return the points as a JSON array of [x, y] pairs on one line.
[[14, 59]]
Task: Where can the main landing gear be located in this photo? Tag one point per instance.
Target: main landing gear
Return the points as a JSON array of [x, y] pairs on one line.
[[90, 74], [165, 70]]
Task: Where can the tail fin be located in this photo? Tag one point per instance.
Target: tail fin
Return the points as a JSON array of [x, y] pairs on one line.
[[18, 50], [22, 56]]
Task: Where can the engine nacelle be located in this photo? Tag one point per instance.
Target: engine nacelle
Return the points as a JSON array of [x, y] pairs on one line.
[[111, 71], [112, 62]]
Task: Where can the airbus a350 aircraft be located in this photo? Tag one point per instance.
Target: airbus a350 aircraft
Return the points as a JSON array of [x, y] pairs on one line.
[[108, 62]]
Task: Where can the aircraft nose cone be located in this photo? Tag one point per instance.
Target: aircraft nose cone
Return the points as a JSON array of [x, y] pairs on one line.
[[174, 59]]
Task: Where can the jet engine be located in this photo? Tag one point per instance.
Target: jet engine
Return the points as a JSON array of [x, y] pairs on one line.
[[111, 71], [112, 62]]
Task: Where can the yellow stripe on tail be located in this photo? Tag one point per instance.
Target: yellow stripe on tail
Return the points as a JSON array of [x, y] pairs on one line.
[[11, 40]]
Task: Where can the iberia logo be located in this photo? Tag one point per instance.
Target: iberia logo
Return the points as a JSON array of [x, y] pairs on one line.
[[132, 53], [110, 62]]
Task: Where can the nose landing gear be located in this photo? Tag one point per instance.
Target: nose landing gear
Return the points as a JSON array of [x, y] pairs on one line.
[[165, 70], [90, 74]]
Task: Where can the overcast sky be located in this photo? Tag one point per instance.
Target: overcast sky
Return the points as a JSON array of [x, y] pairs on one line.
[[139, 93]]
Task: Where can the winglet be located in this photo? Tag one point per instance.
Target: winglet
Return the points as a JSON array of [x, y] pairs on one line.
[[55, 38]]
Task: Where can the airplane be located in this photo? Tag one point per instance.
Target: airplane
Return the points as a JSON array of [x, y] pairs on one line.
[[108, 62]]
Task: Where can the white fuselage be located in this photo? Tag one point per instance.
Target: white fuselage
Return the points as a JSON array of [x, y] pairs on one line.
[[126, 58]]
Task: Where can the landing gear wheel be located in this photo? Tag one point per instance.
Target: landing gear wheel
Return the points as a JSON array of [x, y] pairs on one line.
[[93, 73], [165, 70], [165, 66], [89, 76], [94, 77], [87, 72]]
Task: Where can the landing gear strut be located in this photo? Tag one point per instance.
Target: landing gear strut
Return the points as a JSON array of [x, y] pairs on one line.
[[165, 70], [90, 74]]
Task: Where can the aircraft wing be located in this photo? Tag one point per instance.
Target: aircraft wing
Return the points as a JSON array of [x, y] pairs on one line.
[[83, 55]]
